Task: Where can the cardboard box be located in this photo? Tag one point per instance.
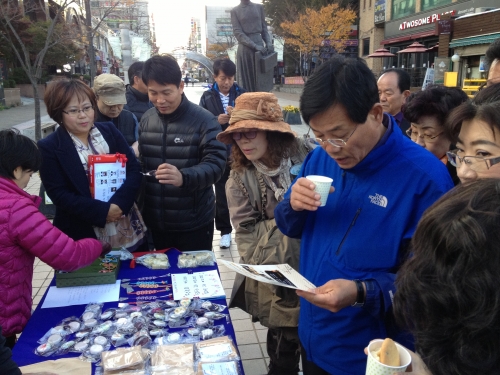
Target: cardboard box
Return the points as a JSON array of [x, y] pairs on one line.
[[101, 271]]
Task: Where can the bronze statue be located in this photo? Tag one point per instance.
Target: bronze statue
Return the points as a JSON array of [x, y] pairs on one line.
[[255, 59]]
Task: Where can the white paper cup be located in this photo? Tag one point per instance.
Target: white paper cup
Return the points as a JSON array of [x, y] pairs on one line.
[[374, 367], [322, 186]]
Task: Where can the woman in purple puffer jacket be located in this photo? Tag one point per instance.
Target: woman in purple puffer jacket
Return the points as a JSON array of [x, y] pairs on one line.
[[25, 233]]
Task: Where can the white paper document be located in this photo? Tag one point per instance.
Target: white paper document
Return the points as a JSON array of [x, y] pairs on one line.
[[276, 274], [81, 295], [197, 284]]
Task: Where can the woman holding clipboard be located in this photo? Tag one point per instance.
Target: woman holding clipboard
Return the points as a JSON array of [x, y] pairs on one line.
[[65, 172]]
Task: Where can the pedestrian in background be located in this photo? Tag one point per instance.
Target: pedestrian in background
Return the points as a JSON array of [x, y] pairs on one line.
[[427, 111], [110, 92], [137, 91], [222, 94], [393, 89]]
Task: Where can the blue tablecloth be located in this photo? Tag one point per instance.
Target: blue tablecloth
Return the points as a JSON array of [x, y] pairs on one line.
[[44, 319]]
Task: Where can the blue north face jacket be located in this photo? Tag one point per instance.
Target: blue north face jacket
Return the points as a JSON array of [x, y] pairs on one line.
[[361, 233]]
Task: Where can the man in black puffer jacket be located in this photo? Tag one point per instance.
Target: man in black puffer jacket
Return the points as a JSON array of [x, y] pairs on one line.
[[177, 139], [110, 92], [137, 92]]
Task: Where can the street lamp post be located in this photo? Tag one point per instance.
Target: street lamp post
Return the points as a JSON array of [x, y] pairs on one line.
[[90, 37]]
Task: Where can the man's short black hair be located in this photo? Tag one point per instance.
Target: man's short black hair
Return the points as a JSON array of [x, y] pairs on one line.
[[162, 69], [17, 150], [135, 70], [403, 78], [226, 66], [492, 53], [344, 81]]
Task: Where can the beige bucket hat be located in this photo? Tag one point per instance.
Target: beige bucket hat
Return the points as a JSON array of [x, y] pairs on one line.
[[110, 89], [255, 111]]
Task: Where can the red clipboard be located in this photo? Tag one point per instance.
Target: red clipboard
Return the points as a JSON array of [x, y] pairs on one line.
[[107, 173]]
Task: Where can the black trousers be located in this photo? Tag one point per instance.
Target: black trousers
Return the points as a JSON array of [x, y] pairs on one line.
[[198, 239], [222, 221], [283, 348], [310, 368]]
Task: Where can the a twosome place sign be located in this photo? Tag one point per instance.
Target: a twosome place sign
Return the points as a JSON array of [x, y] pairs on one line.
[[435, 17]]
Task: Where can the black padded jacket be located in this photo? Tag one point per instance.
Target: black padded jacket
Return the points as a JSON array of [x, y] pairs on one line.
[[137, 102], [186, 139], [126, 123]]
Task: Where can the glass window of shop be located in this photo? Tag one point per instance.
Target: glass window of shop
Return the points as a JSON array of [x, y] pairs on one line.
[[429, 4], [402, 8], [366, 46]]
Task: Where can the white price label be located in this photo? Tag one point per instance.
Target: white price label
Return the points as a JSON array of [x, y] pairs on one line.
[[221, 368]]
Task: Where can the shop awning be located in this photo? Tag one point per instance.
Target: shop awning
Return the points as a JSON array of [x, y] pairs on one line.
[[397, 39], [472, 40]]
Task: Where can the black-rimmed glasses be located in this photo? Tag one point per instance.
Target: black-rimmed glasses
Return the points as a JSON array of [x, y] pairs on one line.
[[248, 135], [476, 163]]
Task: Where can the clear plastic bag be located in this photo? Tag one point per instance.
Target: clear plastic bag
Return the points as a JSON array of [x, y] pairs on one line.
[[154, 261]]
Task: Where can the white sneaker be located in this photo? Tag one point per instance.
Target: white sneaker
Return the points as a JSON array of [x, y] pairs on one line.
[[225, 241]]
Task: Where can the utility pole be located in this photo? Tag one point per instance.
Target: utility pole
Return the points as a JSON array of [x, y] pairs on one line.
[[90, 37]]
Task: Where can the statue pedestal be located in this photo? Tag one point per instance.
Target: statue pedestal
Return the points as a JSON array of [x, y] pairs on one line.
[[292, 118], [264, 66]]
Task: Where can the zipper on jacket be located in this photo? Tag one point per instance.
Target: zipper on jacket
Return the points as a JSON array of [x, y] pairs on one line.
[[348, 230], [163, 154]]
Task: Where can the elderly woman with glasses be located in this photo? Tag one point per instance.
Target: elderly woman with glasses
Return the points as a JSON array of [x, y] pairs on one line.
[[263, 153], [427, 110], [476, 127], [65, 171]]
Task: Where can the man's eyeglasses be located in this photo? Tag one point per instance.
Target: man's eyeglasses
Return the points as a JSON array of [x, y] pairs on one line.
[[337, 142], [247, 135], [476, 163], [426, 137], [76, 112]]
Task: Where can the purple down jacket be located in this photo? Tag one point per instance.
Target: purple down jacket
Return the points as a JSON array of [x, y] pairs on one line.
[[25, 234]]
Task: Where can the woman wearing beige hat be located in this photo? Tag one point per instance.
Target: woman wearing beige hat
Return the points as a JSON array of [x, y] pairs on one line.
[[264, 150]]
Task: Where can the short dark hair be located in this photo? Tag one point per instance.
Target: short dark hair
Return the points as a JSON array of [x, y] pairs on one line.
[[404, 81], [488, 94], [226, 66], [59, 93], [344, 81], [135, 70], [17, 150], [435, 101], [488, 112], [492, 53], [162, 69], [447, 293]]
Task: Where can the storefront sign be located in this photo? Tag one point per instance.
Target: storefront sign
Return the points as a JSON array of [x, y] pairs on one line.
[[445, 27], [435, 17], [379, 11]]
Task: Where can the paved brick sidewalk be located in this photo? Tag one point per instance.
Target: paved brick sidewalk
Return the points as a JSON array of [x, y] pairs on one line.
[[18, 115]]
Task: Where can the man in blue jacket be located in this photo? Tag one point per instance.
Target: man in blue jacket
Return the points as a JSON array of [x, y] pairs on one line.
[[352, 247]]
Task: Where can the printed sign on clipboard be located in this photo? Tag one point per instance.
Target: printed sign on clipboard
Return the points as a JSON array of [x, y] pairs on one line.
[[107, 174]]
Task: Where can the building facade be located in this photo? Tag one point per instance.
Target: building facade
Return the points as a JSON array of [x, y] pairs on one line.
[[395, 24]]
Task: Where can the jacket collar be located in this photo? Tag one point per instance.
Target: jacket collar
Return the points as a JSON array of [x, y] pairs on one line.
[[183, 106], [139, 95], [70, 161], [10, 186], [384, 151]]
